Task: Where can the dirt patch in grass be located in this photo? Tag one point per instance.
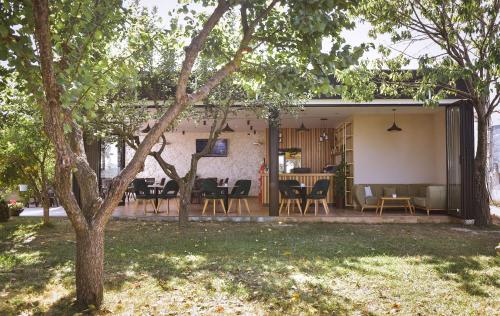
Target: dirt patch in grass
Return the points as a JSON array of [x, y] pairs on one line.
[[249, 268]]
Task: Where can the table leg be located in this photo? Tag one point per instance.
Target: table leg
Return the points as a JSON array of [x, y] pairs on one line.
[[410, 207], [381, 207], [156, 200], [226, 198]]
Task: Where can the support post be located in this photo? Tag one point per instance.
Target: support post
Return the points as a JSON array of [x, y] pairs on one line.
[[273, 142]]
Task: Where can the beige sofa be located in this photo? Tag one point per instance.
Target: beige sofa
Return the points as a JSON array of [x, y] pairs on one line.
[[428, 197]]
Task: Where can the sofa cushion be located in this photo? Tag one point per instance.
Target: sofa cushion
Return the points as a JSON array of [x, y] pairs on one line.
[[420, 201], [417, 190], [371, 200], [402, 190], [389, 191]]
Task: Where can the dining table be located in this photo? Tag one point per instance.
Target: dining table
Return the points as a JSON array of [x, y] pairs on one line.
[[225, 192], [156, 187], [302, 189]]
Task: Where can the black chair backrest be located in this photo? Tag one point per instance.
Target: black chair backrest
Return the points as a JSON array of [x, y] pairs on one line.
[[209, 187], [226, 180], [241, 188], [150, 180], [221, 181], [320, 188], [162, 181], [292, 183], [286, 191], [140, 186], [171, 188]]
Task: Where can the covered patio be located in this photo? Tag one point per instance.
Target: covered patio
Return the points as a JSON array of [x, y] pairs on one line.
[[309, 146]]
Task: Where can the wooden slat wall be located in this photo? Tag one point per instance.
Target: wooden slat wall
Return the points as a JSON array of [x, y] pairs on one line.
[[308, 179], [315, 154]]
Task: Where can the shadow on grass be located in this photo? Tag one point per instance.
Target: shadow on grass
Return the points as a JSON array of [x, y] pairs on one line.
[[258, 262]]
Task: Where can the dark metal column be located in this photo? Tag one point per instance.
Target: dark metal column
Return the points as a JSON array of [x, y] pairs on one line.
[[467, 158], [273, 143]]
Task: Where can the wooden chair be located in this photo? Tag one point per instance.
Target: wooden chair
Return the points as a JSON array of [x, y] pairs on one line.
[[289, 196], [168, 193], [240, 193], [318, 194], [212, 193], [143, 193]]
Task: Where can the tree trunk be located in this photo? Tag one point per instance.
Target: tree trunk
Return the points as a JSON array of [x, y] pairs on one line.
[[184, 204], [46, 207], [89, 267], [481, 197]]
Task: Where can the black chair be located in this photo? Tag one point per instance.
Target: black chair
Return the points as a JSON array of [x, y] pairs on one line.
[[221, 182], [143, 193], [318, 194], [196, 191], [288, 195], [226, 180], [168, 193], [162, 181], [211, 192], [240, 193]]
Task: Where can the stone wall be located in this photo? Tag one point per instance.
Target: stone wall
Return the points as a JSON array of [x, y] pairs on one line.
[[243, 160]]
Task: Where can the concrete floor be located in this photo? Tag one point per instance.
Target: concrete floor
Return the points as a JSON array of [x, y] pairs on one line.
[[259, 212], [133, 210]]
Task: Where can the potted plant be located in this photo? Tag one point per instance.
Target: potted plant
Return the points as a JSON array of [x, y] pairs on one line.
[[340, 176], [4, 211], [15, 208]]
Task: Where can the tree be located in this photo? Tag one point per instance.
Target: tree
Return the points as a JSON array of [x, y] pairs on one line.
[[26, 155], [466, 34], [76, 62]]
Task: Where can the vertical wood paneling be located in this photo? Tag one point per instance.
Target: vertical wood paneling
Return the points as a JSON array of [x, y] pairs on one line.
[[315, 154]]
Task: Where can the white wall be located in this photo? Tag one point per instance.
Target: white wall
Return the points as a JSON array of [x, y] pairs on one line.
[[243, 160], [415, 155]]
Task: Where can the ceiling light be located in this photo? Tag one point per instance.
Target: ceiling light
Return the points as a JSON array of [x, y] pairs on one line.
[[147, 129], [227, 129], [394, 127], [302, 128]]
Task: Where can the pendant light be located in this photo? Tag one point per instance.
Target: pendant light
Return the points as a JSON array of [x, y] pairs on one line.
[[227, 129], [394, 127], [323, 137], [302, 128], [147, 129]]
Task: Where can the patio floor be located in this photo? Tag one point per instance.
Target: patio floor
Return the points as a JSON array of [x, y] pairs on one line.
[[260, 213]]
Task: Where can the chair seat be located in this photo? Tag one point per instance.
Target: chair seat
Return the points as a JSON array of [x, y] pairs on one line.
[[167, 196], [213, 197], [316, 196], [371, 200], [145, 197]]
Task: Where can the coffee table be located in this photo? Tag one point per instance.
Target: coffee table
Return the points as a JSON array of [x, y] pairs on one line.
[[403, 202]]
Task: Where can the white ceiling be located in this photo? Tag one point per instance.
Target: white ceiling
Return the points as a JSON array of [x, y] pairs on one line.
[[310, 116]]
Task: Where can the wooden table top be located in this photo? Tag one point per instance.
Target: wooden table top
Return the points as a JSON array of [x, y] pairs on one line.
[[395, 198]]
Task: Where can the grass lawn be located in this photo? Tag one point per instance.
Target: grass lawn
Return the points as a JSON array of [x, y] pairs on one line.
[[211, 268]]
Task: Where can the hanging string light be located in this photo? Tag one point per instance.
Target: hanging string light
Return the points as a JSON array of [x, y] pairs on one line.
[[323, 137]]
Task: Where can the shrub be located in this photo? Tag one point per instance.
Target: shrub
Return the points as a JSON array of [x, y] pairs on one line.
[[4, 211], [16, 208]]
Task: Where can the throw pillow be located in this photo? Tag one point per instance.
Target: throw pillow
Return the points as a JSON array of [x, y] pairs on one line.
[[368, 191]]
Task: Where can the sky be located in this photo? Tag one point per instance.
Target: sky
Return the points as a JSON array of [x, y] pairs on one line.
[[353, 37]]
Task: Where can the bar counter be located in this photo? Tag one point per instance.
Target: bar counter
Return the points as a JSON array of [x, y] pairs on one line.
[[306, 178]]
